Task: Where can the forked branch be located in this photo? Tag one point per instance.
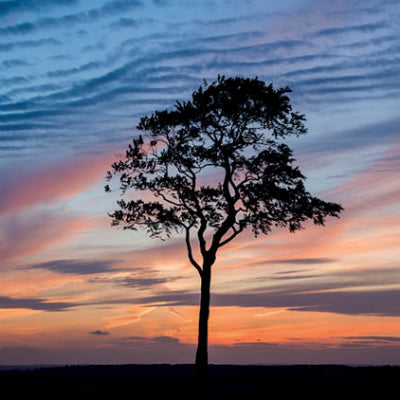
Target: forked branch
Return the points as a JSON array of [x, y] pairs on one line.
[[231, 237], [190, 252]]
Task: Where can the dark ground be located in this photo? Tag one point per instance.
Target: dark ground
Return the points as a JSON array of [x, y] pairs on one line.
[[177, 381]]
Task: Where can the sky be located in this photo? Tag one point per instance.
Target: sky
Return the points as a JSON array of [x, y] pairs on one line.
[[76, 77]]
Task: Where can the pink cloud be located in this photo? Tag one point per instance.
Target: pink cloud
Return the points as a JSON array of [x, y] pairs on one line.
[[374, 188], [31, 234], [310, 16], [53, 183]]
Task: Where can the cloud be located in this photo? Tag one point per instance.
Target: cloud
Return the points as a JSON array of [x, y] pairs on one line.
[[12, 148], [248, 19], [377, 41], [374, 302], [365, 302], [130, 69], [14, 6], [99, 333], [256, 344], [292, 277], [374, 339], [142, 283], [366, 278], [386, 74], [70, 71], [24, 126], [355, 138], [146, 341], [125, 23], [66, 102], [161, 3], [108, 8], [294, 271], [29, 44], [28, 234], [82, 92], [120, 6], [19, 29], [343, 65], [377, 183], [30, 115], [14, 80], [364, 342], [14, 62], [355, 89], [363, 28], [248, 50], [148, 260], [57, 182], [143, 278], [300, 261], [77, 267], [373, 8], [39, 108], [113, 87], [236, 37], [25, 104], [35, 304]]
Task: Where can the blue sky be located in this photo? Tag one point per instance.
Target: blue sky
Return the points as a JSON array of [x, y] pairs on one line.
[[77, 76]]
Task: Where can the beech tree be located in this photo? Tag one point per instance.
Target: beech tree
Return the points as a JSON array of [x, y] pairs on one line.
[[232, 131]]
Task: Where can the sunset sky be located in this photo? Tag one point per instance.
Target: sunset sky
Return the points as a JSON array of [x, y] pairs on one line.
[[76, 76]]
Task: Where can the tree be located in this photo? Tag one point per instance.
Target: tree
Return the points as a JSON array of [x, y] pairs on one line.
[[233, 128]]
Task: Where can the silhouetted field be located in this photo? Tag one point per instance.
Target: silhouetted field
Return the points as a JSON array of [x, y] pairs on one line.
[[139, 381]]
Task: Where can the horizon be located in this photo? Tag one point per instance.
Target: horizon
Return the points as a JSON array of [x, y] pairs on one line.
[[78, 76], [38, 366]]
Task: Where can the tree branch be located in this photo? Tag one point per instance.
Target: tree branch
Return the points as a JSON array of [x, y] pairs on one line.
[[234, 234], [203, 221], [168, 200], [231, 217], [190, 253]]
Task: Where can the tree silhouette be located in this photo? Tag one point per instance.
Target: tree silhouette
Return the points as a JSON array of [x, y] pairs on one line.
[[229, 131]]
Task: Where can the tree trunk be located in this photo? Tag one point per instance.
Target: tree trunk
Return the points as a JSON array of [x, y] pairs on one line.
[[202, 351]]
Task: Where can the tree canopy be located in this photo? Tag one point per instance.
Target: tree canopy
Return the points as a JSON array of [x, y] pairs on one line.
[[231, 129]]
